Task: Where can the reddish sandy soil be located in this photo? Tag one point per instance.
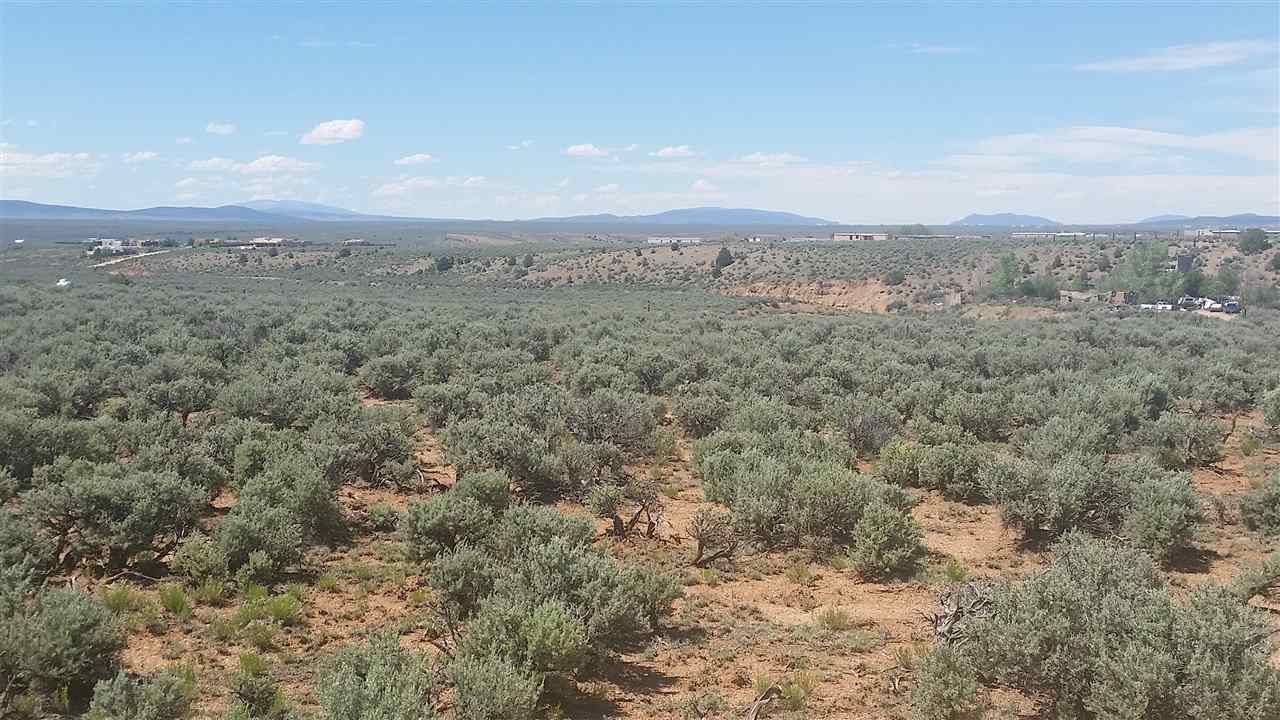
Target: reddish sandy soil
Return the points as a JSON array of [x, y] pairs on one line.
[[746, 622]]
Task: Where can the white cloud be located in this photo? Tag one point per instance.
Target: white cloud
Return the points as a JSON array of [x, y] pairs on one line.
[[14, 163], [265, 165], [215, 164], [916, 48], [703, 187], [564, 183], [277, 164], [417, 159], [522, 145], [771, 159], [609, 189], [587, 150], [1112, 144], [1185, 57], [673, 151], [186, 183], [978, 161], [139, 157], [183, 140], [217, 128], [334, 132], [405, 186]]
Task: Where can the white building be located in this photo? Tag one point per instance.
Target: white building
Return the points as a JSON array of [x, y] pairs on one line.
[[858, 236], [667, 240]]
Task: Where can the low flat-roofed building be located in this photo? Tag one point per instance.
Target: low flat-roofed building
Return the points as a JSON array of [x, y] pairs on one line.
[[671, 240], [858, 236]]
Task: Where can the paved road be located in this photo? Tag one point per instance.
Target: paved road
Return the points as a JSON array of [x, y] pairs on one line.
[[130, 257]]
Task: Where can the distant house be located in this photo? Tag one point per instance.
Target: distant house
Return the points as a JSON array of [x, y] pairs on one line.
[[1231, 233], [354, 241], [858, 236], [270, 242], [1123, 297], [113, 246], [669, 240]]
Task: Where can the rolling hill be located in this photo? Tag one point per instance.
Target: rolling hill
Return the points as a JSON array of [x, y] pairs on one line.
[[696, 216], [23, 210], [1006, 220], [1242, 219]]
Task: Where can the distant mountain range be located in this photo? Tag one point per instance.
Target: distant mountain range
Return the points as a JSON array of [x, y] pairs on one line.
[[292, 211], [1243, 219], [286, 212], [1006, 220], [696, 216], [273, 212], [23, 210]]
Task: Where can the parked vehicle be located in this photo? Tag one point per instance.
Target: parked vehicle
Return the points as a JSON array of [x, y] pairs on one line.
[[1213, 306], [1231, 306]]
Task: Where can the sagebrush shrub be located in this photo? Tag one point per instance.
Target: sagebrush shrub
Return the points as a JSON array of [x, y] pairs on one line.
[[376, 680], [946, 686], [1164, 511], [1121, 643], [1260, 507], [111, 514], [60, 640], [492, 687], [199, 558], [165, 695], [886, 542]]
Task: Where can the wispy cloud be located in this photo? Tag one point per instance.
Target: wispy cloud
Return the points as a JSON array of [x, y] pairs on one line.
[[522, 145], [183, 140], [334, 132], [15, 163], [673, 151], [916, 48], [135, 158], [407, 185], [219, 128], [1185, 57], [416, 159], [1095, 144], [213, 164], [265, 165], [586, 150], [276, 164], [324, 44], [771, 159]]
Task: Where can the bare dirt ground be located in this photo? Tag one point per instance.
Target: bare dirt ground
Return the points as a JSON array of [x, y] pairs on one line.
[[871, 296], [761, 618]]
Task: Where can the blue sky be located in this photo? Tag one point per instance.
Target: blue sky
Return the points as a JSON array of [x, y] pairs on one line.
[[1101, 112]]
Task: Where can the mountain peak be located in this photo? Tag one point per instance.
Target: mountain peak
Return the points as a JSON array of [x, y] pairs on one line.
[[1006, 220]]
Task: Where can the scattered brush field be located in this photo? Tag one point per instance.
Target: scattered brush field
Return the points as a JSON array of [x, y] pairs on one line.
[[393, 486]]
